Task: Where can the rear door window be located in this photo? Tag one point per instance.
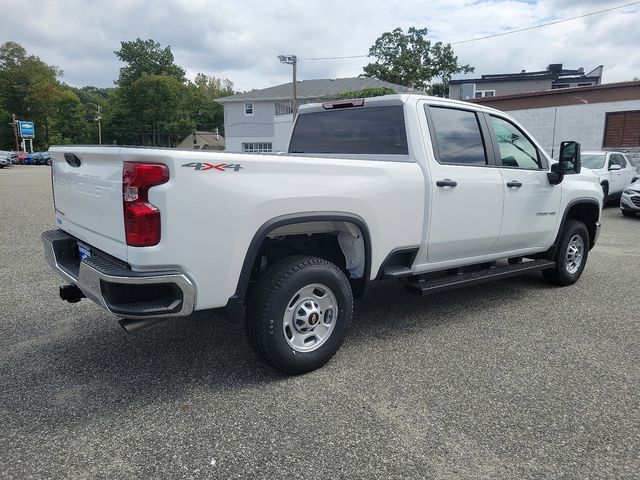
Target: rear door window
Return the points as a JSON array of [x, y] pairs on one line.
[[363, 130], [458, 137]]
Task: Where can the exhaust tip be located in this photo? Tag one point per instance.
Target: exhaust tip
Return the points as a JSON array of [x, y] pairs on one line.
[[71, 293]]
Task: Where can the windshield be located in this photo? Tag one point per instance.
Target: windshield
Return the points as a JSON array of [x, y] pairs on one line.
[[592, 161]]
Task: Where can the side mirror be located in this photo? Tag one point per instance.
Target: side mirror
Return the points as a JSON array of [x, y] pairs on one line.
[[614, 166], [569, 159], [568, 162]]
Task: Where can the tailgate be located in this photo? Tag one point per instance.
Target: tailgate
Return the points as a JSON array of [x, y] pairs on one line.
[[87, 187]]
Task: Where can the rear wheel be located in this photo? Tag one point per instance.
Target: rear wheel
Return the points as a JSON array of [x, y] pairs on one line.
[[299, 313], [571, 256], [628, 213]]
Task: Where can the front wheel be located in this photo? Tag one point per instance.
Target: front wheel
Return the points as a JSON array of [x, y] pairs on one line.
[[299, 313], [571, 256]]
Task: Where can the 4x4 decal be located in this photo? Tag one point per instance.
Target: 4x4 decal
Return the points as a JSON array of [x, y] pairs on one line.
[[202, 166]]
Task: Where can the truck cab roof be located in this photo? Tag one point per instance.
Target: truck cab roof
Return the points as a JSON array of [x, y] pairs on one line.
[[389, 100]]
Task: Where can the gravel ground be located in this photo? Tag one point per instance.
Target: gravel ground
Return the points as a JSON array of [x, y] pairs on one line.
[[512, 379]]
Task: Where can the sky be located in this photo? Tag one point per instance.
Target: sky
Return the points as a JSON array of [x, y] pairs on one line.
[[241, 39]]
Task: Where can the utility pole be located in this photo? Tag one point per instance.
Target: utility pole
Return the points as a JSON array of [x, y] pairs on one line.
[[99, 120], [293, 61], [14, 124]]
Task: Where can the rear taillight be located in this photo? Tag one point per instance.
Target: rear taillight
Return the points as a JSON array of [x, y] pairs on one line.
[[141, 219]]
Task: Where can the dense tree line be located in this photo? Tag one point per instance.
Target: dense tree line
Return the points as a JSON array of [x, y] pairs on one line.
[[152, 102]]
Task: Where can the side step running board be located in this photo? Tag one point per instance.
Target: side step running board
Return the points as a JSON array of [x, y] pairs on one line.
[[428, 287], [397, 272]]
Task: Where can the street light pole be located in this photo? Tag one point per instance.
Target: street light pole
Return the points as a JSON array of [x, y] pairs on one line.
[[99, 119], [293, 61], [14, 124]]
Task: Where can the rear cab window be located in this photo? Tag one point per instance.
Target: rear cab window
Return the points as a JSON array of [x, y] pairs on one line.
[[378, 130]]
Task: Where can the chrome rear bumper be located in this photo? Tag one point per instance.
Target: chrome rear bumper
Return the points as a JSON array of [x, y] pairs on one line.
[[112, 284]]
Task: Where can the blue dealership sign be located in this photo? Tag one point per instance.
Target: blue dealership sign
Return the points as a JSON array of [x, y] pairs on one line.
[[26, 129]]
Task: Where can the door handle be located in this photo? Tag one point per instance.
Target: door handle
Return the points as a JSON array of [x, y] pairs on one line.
[[514, 183], [447, 182]]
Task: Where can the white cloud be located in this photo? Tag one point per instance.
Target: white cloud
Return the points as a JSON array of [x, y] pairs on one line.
[[241, 39]]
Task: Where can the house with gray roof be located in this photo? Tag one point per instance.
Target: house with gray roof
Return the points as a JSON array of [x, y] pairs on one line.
[[261, 120]]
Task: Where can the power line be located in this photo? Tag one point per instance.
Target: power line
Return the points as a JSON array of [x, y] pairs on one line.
[[497, 34], [545, 24], [334, 58]]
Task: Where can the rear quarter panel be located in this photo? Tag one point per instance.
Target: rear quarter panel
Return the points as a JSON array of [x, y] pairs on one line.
[[209, 217]]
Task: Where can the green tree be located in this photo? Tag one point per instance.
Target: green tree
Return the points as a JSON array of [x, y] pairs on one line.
[[93, 99], [368, 92], [410, 59], [210, 114], [28, 88], [120, 125], [213, 87], [154, 104], [159, 102], [68, 119], [146, 57]]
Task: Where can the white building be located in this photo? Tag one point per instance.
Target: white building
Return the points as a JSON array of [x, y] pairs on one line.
[[261, 120]]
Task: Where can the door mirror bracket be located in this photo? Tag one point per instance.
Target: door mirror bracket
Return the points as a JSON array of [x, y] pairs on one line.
[[555, 176]]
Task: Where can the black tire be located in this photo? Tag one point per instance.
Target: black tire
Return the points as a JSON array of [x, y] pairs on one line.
[[514, 260], [628, 213], [560, 274], [270, 299]]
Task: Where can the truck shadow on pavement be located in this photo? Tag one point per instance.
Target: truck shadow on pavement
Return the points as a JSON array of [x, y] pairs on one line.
[[90, 366]]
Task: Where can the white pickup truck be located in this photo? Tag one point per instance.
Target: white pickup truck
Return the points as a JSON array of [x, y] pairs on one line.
[[438, 193]]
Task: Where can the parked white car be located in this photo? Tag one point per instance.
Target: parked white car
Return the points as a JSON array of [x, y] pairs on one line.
[[613, 169], [630, 200]]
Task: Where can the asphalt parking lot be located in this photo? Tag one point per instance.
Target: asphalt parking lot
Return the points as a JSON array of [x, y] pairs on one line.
[[512, 379]]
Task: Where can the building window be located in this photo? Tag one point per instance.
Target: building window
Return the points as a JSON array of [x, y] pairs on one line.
[[248, 108], [585, 84], [560, 85], [622, 129], [284, 107], [263, 147], [485, 93]]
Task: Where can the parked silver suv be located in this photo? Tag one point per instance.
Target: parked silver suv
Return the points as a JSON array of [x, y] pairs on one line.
[[630, 200], [5, 159]]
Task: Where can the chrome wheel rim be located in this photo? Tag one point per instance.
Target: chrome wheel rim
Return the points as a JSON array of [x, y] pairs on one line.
[[310, 317], [574, 256]]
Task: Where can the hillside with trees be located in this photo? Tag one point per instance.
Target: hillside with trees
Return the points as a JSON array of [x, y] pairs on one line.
[[151, 103]]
